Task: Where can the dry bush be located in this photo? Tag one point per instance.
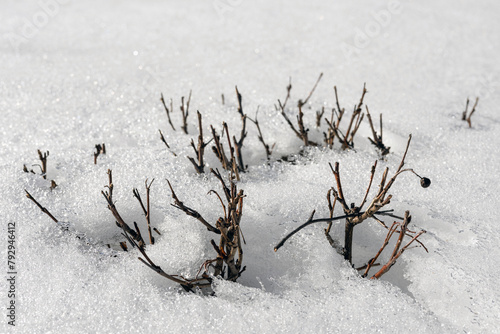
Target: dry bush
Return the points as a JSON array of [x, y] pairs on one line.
[[355, 215], [333, 132], [229, 253], [228, 258]]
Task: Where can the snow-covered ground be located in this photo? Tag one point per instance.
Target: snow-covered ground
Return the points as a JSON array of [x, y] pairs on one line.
[[77, 73]]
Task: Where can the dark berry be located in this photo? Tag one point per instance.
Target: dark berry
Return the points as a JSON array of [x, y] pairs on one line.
[[425, 182]]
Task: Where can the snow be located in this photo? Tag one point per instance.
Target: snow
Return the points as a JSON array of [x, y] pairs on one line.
[[75, 74]]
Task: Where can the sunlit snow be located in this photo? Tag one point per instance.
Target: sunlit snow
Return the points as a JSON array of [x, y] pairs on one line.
[[75, 74]]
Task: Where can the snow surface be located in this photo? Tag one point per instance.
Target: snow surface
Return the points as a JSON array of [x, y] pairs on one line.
[[93, 71]]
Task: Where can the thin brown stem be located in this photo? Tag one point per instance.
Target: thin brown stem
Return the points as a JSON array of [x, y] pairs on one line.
[[269, 150], [44, 210], [185, 112], [472, 112], [99, 149], [369, 185], [190, 212], [148, 214], [166, 144], [168, 111], [43, 160], [200, 150], [301, 103]]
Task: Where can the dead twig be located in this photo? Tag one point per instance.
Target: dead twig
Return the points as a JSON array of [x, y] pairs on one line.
[[464, 114], [44, 210], [377, 140], [190, 212], [168, 111], [110, 184], [234, 166], [239, 143], [269, 150], [319, 114], [43, 160], [166, 144], [311, 221], [99, 149], [185, 112], [302, 103], [64, 226], [200, 150], [356, 119], [398, 250], [302, 131], [218, 149], [146, 209], [108, 195]]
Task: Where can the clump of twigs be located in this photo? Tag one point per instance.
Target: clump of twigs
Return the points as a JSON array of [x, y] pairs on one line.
[[218, 149], [346, 139], [466, 117], [355, 215], [184, 107], [43, 167], [229, 253], [398, 247], [377, 140], [146, 209], [235, 164], [301, 131], [131, 234], [99, 149], [228, 262], [333, 130]]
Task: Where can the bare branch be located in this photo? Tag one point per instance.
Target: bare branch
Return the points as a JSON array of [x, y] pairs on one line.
[[239, 143], [168, 111], [397, 252], [166, 144], [369, 185], [301, 103], [472, 111], [269, 150], [148, 214], [44, 210], [119, 219], [191, 212]]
